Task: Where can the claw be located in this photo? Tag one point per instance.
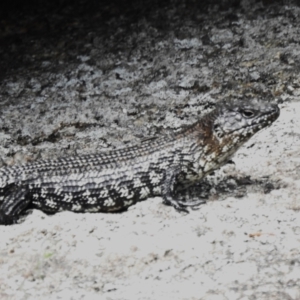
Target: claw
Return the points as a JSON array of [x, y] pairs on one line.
[[191, 203]]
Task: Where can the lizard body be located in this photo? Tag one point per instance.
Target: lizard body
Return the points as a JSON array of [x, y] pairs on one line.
[[114, 180]]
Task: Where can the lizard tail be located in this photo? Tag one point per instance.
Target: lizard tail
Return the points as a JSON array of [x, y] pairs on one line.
[[13, 205]]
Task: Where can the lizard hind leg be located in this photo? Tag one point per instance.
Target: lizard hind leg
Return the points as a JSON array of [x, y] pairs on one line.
[[13, 204]]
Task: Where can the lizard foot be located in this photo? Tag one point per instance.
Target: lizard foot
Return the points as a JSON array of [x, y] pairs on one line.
[[182, 205]]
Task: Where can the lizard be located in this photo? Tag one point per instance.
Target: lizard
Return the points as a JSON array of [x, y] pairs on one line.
[[114, 180]]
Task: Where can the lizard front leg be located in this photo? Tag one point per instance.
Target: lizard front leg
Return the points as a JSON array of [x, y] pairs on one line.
[[168, 188]]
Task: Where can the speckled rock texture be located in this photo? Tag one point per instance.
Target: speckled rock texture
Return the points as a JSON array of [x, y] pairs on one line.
[[86, 76]]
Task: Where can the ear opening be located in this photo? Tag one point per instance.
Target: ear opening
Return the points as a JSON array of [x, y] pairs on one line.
[[216, 127]]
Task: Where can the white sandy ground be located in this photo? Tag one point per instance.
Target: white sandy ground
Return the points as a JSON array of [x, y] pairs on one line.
[[239, 248]]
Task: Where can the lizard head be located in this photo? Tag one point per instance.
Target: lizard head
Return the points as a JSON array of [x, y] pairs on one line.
[[243, 118], [235, 122]]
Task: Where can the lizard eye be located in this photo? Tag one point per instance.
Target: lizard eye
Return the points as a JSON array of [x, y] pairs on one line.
[[247, 113]]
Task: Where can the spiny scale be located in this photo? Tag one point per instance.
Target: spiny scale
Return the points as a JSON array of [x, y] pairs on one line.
[[114, 180]]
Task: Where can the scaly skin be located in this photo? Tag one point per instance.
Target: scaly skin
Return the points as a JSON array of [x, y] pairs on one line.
[[114, 180]]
